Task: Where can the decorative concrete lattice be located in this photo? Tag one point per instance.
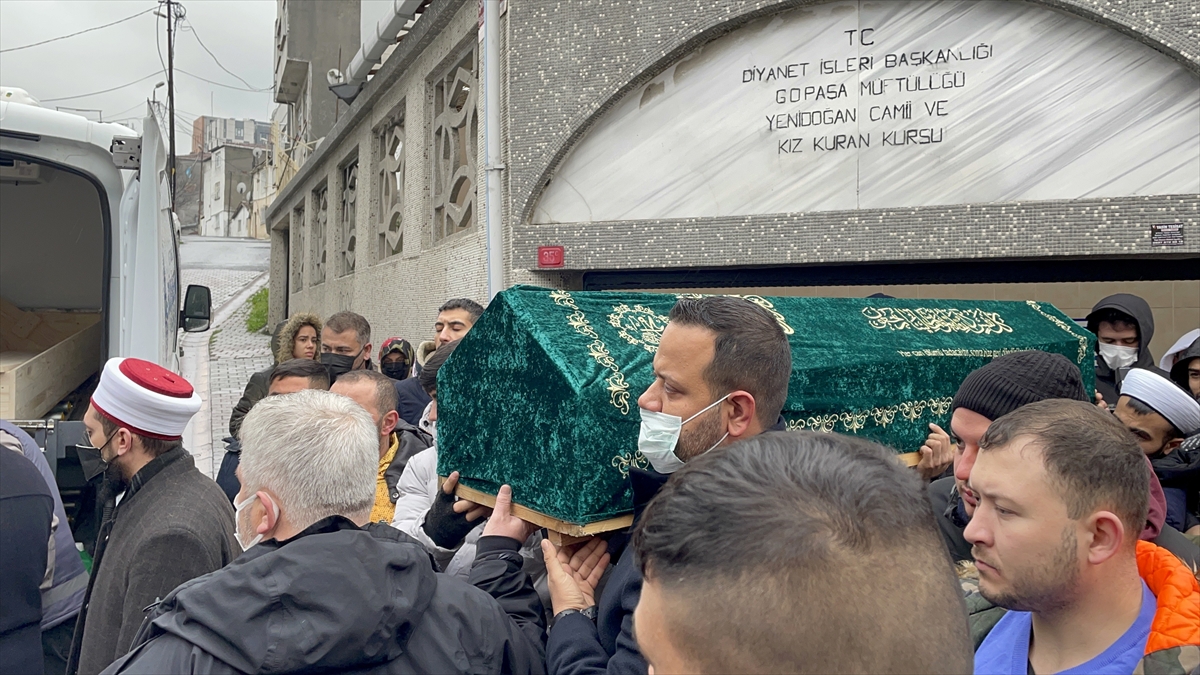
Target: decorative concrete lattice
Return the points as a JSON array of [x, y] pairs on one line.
[[319, 230], [349, 208], [455, 131], [297, 230], [391, 190]]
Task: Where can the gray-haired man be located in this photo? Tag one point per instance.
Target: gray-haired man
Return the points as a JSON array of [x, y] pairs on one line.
[[321, 588]]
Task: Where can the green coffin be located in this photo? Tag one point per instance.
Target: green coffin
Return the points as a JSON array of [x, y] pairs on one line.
[[542, 393]]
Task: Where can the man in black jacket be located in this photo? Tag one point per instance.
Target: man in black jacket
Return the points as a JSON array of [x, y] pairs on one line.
[[172, 523], [455, 319], [721, 375], [26, 548], [328, 591], [1124, 326]]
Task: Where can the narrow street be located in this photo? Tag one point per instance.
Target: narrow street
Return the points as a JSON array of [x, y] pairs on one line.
[[220, 360]]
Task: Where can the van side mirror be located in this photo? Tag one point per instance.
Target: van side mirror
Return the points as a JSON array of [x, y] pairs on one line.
[[197, 309]]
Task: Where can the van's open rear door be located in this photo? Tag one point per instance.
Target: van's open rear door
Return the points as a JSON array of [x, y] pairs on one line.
[[151, 263]]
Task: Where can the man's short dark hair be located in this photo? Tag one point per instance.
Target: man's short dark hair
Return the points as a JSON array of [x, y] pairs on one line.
[[1113, 316], [153, 446], [820, 553], [473, 308], [314, 371], [1089, 455], [344, 321], [751, 351], [385, 387], [428, 376]]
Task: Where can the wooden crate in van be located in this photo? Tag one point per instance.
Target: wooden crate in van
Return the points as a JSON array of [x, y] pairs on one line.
[[43, 357]]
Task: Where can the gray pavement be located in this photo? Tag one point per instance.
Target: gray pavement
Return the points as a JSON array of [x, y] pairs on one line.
[[220, 360]]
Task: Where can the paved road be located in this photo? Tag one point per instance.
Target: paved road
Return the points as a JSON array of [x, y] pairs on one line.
[[220, 360], [223, 253]]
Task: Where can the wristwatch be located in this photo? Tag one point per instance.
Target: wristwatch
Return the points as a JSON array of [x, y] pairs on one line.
[[589, 612]]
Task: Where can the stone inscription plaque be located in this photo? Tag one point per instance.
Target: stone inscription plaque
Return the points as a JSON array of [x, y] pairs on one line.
[[851, 105]]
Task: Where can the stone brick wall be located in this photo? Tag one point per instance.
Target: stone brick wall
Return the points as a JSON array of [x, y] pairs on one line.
[[564, 64]]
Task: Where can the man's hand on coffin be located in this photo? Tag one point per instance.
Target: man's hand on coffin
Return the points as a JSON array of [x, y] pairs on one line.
[[450, 519], [503, 523], [572, 573], [936, 454]]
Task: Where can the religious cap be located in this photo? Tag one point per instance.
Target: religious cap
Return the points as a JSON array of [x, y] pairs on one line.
[[145, 398], [1165, 397]]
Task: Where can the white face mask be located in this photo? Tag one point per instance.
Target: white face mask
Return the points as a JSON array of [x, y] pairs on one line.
[[237, 522], [1118, 357], [660, 434]]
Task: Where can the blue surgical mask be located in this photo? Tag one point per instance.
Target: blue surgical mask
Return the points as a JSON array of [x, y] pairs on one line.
[[660, 434]]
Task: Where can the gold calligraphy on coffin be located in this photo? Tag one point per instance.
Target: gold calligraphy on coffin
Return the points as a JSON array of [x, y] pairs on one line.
[[931, 320], [638, 325], [853, 421], [618, 389], [1061, 324], [624, 461]]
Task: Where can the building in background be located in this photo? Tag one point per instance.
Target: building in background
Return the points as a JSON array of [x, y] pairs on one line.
[[227, 185], [312, 37], [771, 148], [212, 132]]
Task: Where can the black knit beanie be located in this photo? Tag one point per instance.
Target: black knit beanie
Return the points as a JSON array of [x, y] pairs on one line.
[[1012, 380]]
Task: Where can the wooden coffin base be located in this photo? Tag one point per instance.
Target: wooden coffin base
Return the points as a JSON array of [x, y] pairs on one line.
[[561, 532]]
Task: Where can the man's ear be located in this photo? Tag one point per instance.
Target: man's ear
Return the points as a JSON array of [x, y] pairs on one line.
[[1107, 536], [740, 419], [270, 517], [1171, 445], [123, 442], [390, 420]]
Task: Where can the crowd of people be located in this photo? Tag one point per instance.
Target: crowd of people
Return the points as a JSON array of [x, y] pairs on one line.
[[1050, 529]]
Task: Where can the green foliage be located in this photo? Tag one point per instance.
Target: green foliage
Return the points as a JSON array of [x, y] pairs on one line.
[[257, 319]]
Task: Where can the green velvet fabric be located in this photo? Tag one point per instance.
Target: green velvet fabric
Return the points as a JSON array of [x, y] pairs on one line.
[[542, 393]]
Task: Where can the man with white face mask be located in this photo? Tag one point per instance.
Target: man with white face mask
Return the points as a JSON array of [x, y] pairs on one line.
[[720, 375], [1124, 326]]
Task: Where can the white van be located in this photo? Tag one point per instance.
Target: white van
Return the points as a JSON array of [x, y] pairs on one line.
[[89, 264]]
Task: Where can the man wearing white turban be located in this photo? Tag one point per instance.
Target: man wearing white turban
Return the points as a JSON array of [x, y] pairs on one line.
[[165, 523], [1160, 415]]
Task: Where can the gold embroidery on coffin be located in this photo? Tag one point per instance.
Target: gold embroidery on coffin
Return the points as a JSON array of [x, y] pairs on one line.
[[624, 461], [638, 325], [618, 389], [756, 299], [852, 421], [1061, 324], [931, 320]]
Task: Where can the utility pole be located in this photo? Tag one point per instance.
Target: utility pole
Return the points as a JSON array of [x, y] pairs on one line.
[[171, 94]]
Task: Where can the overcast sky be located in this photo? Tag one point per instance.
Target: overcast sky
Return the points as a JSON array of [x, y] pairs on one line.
[[239, 32]]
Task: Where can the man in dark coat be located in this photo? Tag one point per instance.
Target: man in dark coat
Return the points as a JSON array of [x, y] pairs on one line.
[[328, 591], [172, 523], [454, 320], [722, 370], [1124, 326], [26, 514]]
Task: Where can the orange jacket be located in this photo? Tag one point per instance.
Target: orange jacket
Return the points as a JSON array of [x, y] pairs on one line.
[[1177, 620]]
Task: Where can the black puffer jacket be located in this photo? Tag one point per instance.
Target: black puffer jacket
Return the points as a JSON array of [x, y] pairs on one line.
[[344, 599], [1108, 381]]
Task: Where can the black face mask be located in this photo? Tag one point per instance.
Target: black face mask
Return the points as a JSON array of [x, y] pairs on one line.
[[337, 364], [396, 371], [91, 459]]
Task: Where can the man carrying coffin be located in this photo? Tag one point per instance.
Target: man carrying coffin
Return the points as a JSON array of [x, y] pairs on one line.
[[720, 375]]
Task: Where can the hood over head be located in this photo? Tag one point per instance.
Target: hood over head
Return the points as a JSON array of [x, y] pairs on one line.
[[336, 595], [1186, 340], [287, 334], [1139, 310], [424, 351], [1179, 372]]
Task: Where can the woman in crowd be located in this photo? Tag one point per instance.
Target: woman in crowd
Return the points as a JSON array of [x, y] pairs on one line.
[[298, 338]]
